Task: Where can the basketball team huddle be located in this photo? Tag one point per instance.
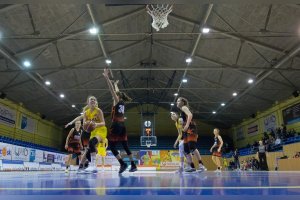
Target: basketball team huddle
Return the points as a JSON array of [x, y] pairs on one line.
[[93, 137]]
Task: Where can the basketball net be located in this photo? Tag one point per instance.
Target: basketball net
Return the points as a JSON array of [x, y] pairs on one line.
[[159, 14]]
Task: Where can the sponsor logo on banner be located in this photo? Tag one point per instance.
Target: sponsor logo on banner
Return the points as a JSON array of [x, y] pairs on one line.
[[39, 156], [169, 159], [20, 153], [253, 129], [7, 116], [149, 158], [5, 151], [32, 155], [59, 158], [239, 134], [50, 158], [27, 124], [270, 123]]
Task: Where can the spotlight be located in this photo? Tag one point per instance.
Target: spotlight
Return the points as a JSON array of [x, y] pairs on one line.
[[48, 83], [108, 61], [94, 30], [26, 63], [188, 60], [205, 30], [250, 81]]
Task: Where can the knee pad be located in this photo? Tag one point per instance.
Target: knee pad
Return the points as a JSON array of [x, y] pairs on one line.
[[92, 144]]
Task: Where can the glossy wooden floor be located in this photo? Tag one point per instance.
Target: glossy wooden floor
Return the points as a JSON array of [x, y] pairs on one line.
[[208, 184]]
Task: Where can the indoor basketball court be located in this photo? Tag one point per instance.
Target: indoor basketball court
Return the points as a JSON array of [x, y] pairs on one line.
[[134, 99]]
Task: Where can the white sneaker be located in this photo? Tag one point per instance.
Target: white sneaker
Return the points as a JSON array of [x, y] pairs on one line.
[[203, 168], [66, 171], [217, 171], [189, 169], [91, 169]]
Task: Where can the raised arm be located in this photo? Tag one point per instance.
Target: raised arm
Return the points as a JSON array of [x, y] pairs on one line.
[[74, 120], [116, 86], [111, 87]]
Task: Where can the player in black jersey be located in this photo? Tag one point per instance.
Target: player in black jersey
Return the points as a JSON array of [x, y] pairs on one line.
[[190, 135], [117, 132], [73, 143]]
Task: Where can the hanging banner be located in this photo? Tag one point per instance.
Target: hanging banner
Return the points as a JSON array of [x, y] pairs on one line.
[[27, 123], [270, 123], [240, 133], [7, 116], [253, 129], [291, 115]]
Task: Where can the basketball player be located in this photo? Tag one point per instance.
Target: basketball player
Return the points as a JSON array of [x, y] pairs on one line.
[[85, 137], [95, 114], [190, 135], [178, 124], [102, 146], [117, 131], [216, 150], [73, 143]]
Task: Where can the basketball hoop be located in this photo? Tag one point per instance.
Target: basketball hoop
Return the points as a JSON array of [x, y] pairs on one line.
[[159, 14]]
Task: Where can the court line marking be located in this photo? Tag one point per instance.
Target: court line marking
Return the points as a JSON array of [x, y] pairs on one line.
[[161, 188]]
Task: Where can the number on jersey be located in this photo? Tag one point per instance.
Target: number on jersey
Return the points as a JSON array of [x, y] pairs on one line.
[[121, 109]]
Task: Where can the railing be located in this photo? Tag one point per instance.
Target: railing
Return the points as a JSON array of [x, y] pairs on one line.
[[251, 150]]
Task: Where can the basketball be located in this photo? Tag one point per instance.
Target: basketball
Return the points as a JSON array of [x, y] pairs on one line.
[[89, 126]]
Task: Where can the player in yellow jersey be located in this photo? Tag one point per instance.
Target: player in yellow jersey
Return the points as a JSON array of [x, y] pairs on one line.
[[102, 146], [93, 113]]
